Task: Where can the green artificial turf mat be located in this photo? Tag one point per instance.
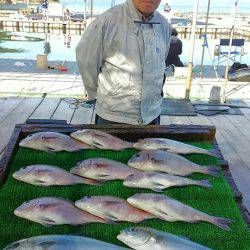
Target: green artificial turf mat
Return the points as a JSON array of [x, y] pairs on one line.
[[217, 201]]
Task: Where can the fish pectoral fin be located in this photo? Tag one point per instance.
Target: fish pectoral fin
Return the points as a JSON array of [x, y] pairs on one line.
[[156, 189], [40, 183], [47, 221], [157, 184], [101, 176], [111, 217], [114, 203], [97, 144], [164, 213], [50, 150], [156, 160], [48, 138], [47, 244]]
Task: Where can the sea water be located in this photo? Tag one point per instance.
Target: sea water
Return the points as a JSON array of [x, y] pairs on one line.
[[222, 6], [62, 47]]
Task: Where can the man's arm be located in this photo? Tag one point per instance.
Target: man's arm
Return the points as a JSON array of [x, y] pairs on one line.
[[89, 56]]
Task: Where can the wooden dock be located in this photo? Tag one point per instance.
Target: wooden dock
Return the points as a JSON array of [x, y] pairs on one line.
[[233, 132], [77, 28]]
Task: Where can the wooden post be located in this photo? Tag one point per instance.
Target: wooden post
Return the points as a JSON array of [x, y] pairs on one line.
[[85, 13], [203, 48], [229, 50], [190, 63]]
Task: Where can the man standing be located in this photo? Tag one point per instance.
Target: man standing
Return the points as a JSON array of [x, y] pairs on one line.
[[174, 51], [121, 58]]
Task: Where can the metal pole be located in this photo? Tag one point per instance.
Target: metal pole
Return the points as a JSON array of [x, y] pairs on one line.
[[229, 50], [85, 13], [91, 9], [203, 49], [190, 63]]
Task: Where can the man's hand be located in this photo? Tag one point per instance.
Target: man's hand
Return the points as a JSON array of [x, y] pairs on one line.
[[89, 104]]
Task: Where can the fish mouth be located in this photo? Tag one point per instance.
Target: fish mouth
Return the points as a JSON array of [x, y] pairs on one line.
[[131, 201], [16, 176], [75, 170], [22, 143], [17, 211]]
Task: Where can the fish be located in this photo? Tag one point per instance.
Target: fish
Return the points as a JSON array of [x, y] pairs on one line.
[[168, 209], [103, 169], [144, 238], [100, 139], [160, 181], [52, 142], [170, 146], [112, 208], [61, 242], [170, 163], [46, 175], [50, 211]]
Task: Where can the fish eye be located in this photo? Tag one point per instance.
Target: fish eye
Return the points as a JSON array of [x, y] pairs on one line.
[[132, 229], [137, 155], [88, 197]]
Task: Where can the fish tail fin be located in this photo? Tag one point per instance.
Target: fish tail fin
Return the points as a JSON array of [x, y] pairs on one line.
[[205, 183], [222, 223], [212, 170]]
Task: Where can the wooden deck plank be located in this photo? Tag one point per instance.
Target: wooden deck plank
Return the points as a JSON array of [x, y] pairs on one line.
[[165, 120], [241, 123], [240, 170], [8, 105], [234, 137], [46, 109], [180, 120], [19, 115], [64, 112]]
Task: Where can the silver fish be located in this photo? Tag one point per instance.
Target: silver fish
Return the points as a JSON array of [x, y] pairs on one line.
[[102, 169], [171, 146], [53, 211], [143, 238], [46, 175], [52, 142], [162, 161], [100, 139], [61, 242], [112, 208], [160, 181], [169, 209]]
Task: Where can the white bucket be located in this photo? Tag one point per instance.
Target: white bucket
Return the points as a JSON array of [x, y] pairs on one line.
[[42, 61]]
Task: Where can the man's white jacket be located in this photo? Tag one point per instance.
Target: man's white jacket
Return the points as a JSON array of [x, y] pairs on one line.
[[122, 62]]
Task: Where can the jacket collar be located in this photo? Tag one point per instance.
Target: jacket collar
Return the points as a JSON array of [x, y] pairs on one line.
[[135, 15]]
